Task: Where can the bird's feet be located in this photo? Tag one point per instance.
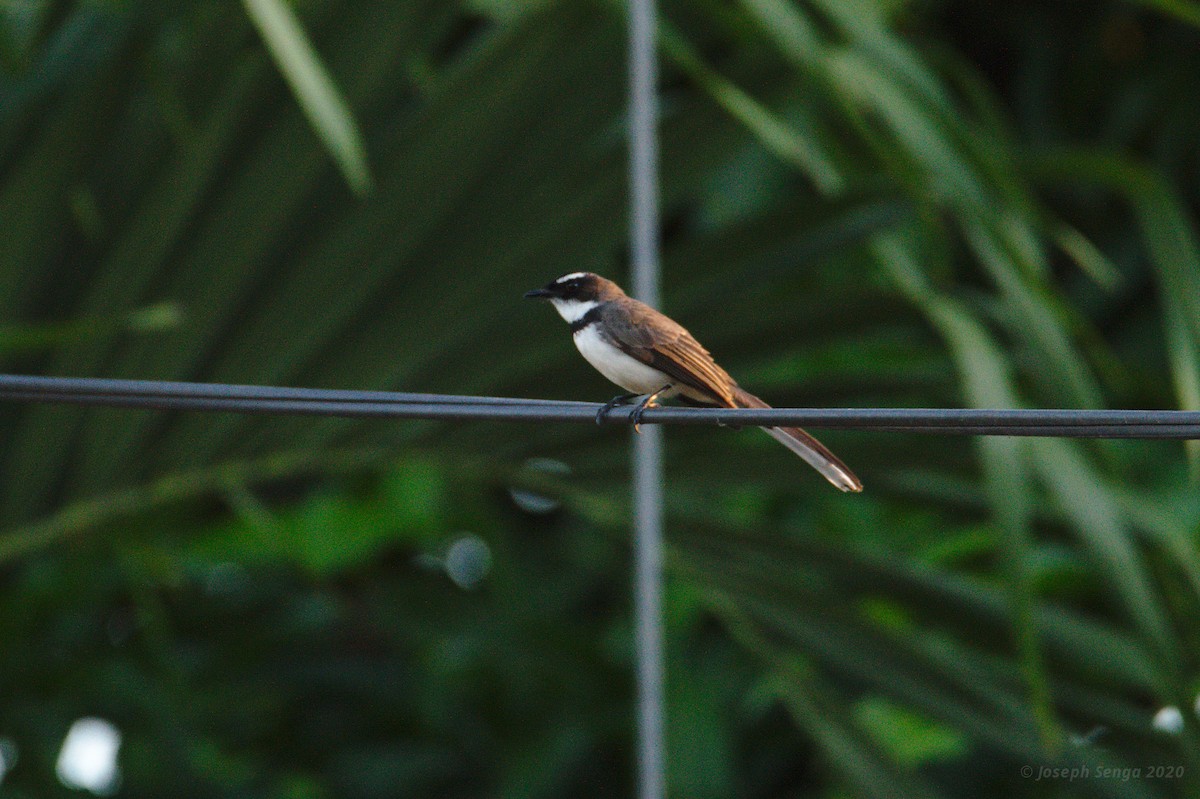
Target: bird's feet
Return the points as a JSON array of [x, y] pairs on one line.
[[620, 399], [648, 402]]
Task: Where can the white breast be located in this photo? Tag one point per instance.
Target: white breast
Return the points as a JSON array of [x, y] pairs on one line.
[[624, 370]]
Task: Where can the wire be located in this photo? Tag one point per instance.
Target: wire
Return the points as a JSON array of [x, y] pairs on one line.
[[220, 397], [162, 388]]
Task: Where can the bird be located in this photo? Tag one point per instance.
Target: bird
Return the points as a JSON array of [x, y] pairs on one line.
[[652, 356]]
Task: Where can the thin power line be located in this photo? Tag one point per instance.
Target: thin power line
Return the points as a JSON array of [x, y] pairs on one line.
[[155, 395]]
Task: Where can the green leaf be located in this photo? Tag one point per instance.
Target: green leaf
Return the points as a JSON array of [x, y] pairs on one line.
[[315, 91], [1184, 10], [791, 144], [988, 384]]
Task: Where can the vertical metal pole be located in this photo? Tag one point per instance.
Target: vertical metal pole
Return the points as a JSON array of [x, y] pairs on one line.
[[647, 447]]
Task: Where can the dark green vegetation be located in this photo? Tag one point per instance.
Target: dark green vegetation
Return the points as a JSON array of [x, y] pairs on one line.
[[905, 203]]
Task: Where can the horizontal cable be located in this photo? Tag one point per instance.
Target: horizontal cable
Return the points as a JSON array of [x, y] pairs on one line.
[[149, 394]]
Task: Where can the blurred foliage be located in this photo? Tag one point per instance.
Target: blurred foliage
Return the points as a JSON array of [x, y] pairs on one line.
[[903, 203]]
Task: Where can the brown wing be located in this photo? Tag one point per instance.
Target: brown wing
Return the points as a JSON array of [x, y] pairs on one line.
[[659, 341]]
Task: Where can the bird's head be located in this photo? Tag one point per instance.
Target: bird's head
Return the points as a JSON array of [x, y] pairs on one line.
[[576, 293]]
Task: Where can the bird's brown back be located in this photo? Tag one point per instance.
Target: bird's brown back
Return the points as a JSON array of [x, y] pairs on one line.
[[659, 341]]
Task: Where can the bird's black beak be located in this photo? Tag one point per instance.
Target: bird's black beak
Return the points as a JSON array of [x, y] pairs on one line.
[[538, 294]]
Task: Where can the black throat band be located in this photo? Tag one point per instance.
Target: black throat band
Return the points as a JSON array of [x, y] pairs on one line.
[[593, 315]]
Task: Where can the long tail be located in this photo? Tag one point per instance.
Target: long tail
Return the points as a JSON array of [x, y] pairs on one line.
[[804, 445]]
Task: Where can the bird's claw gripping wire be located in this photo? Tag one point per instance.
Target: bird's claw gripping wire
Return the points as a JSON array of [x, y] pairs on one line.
[[648, 402], [620, 399]]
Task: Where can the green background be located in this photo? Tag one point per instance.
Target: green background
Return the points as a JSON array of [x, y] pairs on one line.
[[911, 203]]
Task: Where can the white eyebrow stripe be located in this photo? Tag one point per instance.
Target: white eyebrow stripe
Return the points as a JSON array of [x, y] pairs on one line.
[[571, 276]]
